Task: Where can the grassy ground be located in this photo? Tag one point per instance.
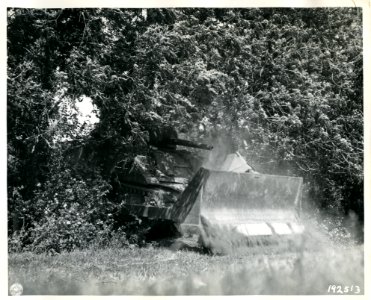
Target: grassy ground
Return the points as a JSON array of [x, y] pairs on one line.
[[160, 271]]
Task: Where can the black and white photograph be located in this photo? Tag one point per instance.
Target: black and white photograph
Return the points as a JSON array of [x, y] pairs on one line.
[[177, 151]]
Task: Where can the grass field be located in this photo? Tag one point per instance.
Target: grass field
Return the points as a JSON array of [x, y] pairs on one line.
[[152, 270]]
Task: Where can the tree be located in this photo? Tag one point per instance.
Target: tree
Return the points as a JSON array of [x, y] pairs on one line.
[[281, 84]]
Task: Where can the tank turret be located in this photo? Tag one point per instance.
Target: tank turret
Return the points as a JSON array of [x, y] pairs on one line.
[[159, 177]]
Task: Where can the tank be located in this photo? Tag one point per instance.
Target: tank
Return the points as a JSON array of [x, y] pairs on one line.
[[231, 200]]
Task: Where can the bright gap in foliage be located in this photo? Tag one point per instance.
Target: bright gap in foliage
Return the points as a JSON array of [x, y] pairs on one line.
[[76, 119], [87, 111]]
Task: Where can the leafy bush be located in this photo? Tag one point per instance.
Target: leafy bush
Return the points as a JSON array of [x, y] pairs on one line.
[[17, 240], [64, 230], [69, 213]]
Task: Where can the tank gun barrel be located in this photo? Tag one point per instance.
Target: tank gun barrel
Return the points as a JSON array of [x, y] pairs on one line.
[[187, 143]]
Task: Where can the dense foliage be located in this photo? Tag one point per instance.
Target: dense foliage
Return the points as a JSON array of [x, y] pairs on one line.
[[282, 86]]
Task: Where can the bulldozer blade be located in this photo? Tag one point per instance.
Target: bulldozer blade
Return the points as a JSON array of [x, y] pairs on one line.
[[225, 239], [248, 204]]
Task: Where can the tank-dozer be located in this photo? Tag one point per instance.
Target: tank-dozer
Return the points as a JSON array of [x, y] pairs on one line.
[[228, 202]]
